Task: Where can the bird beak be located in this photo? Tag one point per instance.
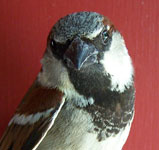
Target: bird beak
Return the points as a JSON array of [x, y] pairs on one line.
[[80, 53]]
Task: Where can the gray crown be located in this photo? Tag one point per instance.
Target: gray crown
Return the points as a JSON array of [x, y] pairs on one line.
[[86, 24]]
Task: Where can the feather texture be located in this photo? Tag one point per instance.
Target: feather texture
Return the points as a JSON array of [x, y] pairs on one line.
[[39, 109]]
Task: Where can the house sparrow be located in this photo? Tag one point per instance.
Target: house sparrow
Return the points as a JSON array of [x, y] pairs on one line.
[[83, 97]]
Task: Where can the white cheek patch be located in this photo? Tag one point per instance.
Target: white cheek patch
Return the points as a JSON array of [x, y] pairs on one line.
[[118, 65], [55, 75]]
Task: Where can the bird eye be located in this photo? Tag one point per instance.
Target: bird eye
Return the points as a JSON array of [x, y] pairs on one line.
[[105, 36], [54, 47], [57, 49], [52, 44]]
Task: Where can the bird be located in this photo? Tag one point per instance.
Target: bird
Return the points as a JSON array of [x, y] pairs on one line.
[[83, 96]]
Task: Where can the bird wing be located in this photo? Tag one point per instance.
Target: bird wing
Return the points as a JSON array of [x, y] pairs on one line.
[[33, 119]]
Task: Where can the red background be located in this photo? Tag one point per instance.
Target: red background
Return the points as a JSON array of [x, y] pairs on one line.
[[24, 26]]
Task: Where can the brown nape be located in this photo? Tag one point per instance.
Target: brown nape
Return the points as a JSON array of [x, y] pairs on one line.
[[39, 99], [107, 22]]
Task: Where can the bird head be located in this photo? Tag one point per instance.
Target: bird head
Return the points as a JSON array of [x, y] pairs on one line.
[[86, 54]]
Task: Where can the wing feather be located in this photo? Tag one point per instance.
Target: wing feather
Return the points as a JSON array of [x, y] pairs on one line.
[[26, 134]]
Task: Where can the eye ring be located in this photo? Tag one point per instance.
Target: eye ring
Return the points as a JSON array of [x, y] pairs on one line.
[[105, 36]]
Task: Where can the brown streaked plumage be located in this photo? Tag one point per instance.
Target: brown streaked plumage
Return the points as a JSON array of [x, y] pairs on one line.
[[86, 84], [39, 99], [25, 137], [107, 22]]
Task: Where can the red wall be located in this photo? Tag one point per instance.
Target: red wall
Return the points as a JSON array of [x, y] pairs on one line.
[[24, 26]]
